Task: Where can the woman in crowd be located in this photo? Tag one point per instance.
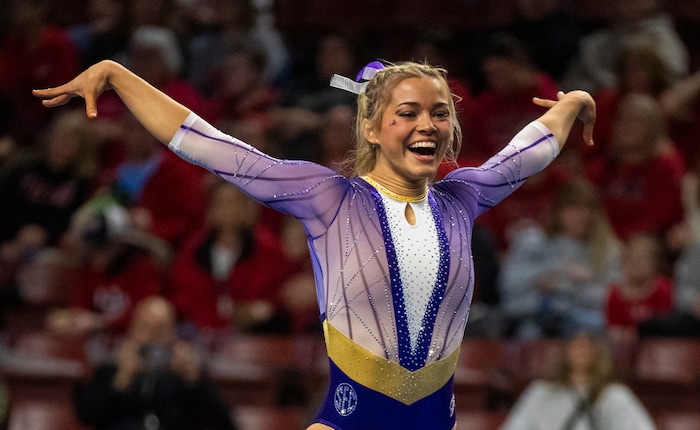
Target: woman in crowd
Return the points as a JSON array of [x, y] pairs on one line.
[[554, 278], [581, 395]]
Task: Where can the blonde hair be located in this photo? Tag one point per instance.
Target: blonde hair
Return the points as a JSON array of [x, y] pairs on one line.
[[374, 100], [601, 371]]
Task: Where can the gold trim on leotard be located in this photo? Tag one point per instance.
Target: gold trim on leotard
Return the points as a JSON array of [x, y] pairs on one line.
[[385, 376]]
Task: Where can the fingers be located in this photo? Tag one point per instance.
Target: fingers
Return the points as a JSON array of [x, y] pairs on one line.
[[91, 106], [546, 103], [56, 101], [588, 134], [53, 97], [59, 96]]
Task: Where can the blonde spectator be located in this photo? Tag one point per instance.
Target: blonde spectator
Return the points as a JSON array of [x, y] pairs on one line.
[[581, 394]]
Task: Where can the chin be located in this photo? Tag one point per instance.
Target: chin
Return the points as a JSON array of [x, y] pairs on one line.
[[427, 174]]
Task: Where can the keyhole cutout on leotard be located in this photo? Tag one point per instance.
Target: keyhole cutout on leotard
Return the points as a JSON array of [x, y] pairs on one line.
[[410, 215]]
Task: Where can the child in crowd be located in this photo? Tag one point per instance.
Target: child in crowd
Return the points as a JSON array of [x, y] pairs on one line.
[[643, 292]]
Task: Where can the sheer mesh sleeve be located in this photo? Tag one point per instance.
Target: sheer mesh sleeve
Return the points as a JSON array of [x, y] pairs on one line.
[[309, 191], [481, 188]]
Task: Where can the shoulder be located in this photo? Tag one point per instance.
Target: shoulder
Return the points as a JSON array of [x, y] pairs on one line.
[[618, 393]]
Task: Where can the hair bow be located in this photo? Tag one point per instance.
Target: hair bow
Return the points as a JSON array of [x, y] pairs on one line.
[[358, 85]]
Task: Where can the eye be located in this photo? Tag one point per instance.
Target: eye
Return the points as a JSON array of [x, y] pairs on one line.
[[407, 114], [441, 115]]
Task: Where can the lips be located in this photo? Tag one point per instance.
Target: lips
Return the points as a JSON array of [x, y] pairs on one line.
[[423, 148]]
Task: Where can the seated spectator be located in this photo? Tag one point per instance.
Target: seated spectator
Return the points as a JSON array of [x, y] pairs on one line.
[[222, 278], [118, 267], [553, 280], [157, 382], [641, 293], [165, 196], [45, 186], [640, 176], [581, 394]]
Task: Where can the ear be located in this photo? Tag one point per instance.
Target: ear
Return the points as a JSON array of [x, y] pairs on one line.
[[369, 132]]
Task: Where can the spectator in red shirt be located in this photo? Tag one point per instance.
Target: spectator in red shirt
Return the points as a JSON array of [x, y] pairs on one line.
[[227, 274], [640, 178], [642, 293], [165, 196]]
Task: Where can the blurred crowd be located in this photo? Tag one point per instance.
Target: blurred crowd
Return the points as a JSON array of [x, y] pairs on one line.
[[604, 240]]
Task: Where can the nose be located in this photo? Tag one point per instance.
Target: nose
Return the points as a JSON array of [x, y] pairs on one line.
[[426, 124]]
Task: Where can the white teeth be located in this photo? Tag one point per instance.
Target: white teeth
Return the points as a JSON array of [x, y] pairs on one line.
[[423, 145]]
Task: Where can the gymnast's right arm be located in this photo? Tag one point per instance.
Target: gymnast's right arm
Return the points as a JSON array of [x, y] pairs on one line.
[[157, 112], [307, 190]]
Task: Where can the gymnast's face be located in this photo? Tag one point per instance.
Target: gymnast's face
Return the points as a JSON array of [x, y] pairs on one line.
[[414, 133]]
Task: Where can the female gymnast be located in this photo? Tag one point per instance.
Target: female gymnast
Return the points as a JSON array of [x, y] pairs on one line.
[[390, 247]]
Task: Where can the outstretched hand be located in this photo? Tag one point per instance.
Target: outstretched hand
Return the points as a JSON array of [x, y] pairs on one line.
[[88, 85], [584, 109], [156, 111]]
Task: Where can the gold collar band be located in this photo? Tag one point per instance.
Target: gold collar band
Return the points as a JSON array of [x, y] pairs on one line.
[[396, 196]]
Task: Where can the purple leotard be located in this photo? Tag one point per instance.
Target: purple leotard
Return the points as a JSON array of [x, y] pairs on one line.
[[393, 325]]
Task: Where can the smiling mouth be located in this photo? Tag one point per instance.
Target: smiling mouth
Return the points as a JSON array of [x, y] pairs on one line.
[[423, 148]]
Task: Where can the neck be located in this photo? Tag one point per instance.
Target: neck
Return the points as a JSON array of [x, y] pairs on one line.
[[579, 378], [402, 192], [228, 238]]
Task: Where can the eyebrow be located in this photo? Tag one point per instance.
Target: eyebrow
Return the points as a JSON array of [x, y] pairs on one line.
[[436, 105]]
